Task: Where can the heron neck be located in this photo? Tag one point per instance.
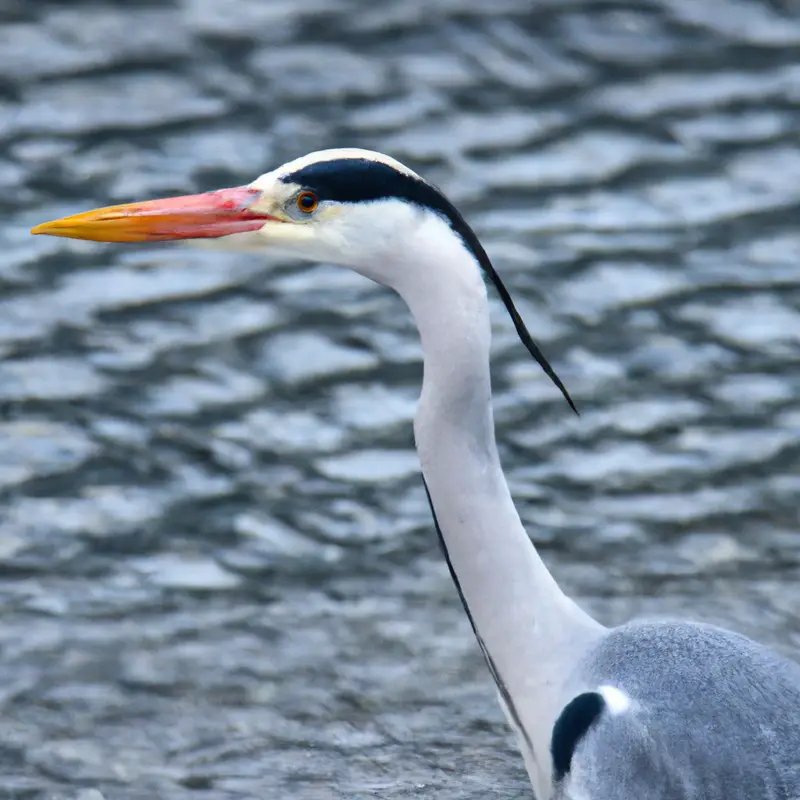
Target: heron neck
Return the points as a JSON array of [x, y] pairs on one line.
[[524, 620]]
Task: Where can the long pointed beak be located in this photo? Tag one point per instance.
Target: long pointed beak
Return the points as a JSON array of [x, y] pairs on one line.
[[197, 216]]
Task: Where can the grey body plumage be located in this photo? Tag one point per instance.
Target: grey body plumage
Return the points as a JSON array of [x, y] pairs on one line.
[[713, 716]]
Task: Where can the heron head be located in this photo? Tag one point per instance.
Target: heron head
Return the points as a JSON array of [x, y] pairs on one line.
[[352, 207], [348, 206]]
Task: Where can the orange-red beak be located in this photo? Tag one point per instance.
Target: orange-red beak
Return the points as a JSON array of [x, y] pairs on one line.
[[196, 216]]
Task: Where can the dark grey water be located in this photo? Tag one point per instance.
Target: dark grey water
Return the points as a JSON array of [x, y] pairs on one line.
[[218, 577]]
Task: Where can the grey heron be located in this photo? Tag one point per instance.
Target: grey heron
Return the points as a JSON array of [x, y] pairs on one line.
[[650, 709]]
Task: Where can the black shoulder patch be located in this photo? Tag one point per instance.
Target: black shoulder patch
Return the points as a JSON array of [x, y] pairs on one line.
[[574, 722]]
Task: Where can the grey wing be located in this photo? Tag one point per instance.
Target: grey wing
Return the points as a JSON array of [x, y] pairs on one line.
[[641, 755], [681, 712]]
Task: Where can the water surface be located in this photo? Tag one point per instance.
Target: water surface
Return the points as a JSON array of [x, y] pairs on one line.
[[218, 574]]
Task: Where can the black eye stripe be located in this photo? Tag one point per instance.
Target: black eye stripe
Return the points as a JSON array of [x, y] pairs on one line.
[[353, 180]]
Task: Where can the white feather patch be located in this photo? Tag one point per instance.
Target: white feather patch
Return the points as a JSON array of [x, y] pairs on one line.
[[616, 700]]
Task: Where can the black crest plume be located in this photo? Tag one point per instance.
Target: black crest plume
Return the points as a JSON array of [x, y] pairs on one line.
[[354, 180]]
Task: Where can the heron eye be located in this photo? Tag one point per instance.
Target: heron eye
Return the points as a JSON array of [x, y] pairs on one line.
[[307, 202]]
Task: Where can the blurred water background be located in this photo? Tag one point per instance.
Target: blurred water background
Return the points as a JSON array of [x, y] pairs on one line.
[[218, 574]]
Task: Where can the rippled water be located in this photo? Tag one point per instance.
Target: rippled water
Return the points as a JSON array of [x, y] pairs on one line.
[[218, 573]]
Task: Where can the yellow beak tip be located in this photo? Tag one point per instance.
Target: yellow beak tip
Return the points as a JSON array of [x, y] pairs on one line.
[[63, 228]]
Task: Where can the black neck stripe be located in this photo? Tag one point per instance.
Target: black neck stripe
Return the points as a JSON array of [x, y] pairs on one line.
[[359, 180]]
